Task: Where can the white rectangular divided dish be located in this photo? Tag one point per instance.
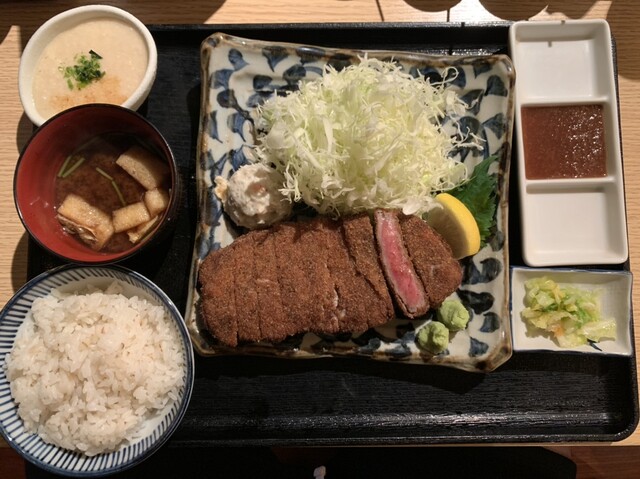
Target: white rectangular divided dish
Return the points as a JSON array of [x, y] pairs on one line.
[[572, 213]]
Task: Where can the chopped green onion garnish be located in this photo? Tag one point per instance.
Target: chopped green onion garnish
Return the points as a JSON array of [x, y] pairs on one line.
[[74, 167], [85, 71], [119, 193], [104, 173], [64, 166]]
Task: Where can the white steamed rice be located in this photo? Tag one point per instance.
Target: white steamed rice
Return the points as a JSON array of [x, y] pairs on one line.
[[88, 369]]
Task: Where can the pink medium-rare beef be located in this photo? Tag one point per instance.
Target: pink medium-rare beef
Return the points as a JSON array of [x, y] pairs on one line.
[[439, 272], [397, 265], [321, 276]]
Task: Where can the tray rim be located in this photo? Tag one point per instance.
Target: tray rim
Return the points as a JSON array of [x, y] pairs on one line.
[[36, 262]]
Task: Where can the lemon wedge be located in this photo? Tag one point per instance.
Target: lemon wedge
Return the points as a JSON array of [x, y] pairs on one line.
[[456, 225]]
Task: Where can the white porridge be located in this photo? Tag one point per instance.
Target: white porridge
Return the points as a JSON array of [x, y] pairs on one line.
[[121, 61]]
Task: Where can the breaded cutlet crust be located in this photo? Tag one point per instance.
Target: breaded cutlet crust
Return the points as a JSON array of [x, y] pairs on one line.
[[321, 276], [439, 272], [295, 287], [358, 305], [273, 322], [217, 296], [360, 241], [313, 242], [246, 294]]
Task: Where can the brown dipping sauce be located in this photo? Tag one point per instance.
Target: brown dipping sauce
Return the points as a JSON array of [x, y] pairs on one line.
[[86, 182], [563, 141]]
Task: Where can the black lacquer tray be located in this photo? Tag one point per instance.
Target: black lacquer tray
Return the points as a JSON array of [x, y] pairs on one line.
[[256, 401]]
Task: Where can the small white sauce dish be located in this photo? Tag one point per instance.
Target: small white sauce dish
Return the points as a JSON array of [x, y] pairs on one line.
[[68, 20], [572, 220], [614, 288]]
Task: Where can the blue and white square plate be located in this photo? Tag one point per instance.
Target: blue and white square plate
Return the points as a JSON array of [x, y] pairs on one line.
[[239, 74]]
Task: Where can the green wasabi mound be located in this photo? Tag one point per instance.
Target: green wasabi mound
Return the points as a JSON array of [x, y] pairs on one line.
[[433, 337], [453, 315]]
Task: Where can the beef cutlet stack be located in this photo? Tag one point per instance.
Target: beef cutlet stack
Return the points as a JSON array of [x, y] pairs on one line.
[[324, 276]]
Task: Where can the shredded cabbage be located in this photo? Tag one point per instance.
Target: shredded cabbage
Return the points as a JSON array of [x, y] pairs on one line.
[[368, 136], [570, 314]]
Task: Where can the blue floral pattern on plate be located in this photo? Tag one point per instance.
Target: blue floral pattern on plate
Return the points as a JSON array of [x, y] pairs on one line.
[[239, 74]]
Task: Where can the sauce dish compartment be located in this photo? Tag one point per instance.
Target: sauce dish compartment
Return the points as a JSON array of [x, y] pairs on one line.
[[559, 226], [564, 58]]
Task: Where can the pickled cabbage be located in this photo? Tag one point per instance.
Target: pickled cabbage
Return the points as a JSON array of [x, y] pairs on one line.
[[572, 316], [368, 136]]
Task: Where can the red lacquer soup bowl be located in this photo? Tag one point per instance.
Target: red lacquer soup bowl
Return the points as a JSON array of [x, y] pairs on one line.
[[50, 167]]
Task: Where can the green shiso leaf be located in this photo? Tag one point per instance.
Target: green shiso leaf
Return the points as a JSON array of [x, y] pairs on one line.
[[479, 195]]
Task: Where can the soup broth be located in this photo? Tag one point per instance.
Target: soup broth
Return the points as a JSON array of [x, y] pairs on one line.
[[102, 183]]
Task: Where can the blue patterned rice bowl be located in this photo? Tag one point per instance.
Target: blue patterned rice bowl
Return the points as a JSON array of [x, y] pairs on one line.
[[156, 429]]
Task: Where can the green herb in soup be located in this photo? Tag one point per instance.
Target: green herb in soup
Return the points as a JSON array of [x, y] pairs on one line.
[[111, 192], [71, 164], [85, 71]]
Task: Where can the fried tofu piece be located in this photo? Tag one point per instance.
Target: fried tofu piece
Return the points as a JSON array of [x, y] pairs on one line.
[[149, 170], [140, 231], [130, 216], [92, 225], [156, 200]]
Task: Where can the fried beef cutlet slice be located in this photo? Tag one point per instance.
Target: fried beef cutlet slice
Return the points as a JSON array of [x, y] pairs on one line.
[[313, 242], [438, 270], [359, 305], [359, 238], [217, 295], [406, 287], [245, 289], [351, 310], [273, 322], [296, 291]]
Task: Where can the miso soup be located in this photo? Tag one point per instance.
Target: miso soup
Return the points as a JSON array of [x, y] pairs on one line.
[[111, 192]]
